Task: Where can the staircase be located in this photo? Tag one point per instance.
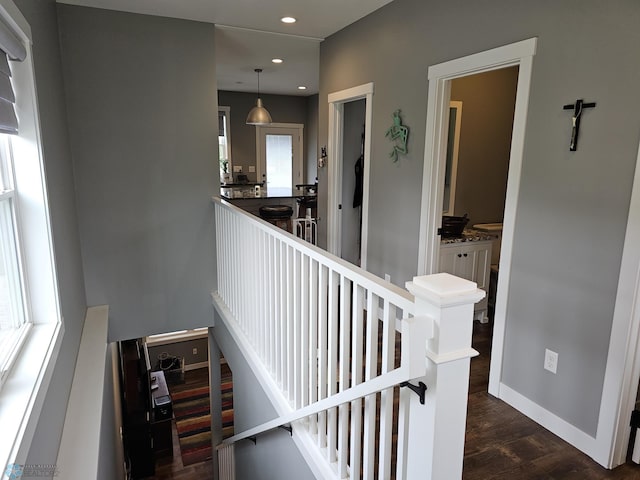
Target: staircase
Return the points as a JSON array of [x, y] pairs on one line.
[[330, 343]]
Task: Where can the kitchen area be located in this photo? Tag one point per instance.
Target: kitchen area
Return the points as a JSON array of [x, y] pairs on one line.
[[270, 170]]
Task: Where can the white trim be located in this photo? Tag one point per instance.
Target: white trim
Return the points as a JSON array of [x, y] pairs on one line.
[[227, 115], [196, 366], [175, 337], [336, 110], [23, 393], [440, 76], [457, 105], [81, 431], [549, 420], [622, 373]]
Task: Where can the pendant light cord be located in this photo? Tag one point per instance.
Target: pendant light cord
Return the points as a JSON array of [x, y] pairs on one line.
[[258, 70]]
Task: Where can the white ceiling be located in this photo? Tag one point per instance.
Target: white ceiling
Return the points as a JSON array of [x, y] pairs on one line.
[[250, 34]]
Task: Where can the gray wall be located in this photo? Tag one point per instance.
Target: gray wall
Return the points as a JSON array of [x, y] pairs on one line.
[[181, 349], [573, 206], [41, 15], [142, 108], [274, 456], [283, 109], [488, 101]]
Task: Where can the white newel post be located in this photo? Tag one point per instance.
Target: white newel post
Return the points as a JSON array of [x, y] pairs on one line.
[[436, 430]]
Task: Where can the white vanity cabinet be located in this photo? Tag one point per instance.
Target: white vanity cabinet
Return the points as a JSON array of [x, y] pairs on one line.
[[471, 261]]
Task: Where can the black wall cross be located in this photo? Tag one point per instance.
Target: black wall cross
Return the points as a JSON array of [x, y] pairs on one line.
[[577, 108]]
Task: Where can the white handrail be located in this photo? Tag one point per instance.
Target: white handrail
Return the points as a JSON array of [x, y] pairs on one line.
[[378, 384], [396, 295], [417, 329]]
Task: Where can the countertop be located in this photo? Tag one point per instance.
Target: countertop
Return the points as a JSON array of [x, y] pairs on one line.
[[469, 235], [249, 193]]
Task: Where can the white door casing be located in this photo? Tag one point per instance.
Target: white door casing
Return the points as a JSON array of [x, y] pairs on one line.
[[622, 373], [440, 76]]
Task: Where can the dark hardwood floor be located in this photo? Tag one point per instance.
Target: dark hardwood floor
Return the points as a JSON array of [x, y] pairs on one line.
[[501, 443]]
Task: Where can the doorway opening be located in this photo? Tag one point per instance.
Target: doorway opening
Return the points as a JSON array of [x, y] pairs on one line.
[[519, 54], [349, 117], [352, 179]]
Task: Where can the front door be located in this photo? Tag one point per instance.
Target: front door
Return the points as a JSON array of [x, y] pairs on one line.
[[279, 156]]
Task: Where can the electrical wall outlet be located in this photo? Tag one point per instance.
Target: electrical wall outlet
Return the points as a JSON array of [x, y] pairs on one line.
[[195, 351], [252, 169], [550, 360], [237, 169]]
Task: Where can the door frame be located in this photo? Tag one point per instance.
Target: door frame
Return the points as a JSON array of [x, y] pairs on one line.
[[335, 144], [299, 166], [440, 76], [622, 373]]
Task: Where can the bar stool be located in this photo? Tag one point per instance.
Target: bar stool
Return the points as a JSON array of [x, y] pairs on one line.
[[307, 202], [305, 224], [278, 215]]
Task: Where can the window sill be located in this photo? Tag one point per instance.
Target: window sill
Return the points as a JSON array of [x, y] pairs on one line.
[[22, 395]]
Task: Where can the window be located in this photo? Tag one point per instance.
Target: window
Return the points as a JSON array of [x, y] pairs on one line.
[[224, 143], [280, 155], [31, 327], [13, 320]]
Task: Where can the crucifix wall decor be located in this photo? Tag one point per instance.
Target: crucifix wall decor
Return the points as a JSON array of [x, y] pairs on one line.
[[577, 108]]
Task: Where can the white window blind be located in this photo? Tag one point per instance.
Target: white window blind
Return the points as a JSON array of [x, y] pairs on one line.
[[11, 49]]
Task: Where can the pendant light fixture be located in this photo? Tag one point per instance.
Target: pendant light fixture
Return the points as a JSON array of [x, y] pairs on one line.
[[258, 115]]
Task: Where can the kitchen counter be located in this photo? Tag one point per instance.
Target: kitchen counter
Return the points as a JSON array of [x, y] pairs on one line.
[[236, 192], [245, 198], [469, 235]]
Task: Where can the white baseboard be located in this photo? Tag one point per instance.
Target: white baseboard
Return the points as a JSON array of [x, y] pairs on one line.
[[195, 366], [556, 425]]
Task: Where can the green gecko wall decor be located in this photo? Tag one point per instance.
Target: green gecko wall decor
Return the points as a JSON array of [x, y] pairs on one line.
[[399, 135]]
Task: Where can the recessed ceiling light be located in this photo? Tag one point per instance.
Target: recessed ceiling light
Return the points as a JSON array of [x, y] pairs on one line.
[[302, 87], [288, 20], [277, 60]]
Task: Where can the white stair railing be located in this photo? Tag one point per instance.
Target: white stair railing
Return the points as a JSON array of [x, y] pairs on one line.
[[323, 336]]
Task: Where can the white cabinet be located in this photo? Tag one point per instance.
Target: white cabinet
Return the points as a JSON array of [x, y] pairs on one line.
[[471, 261]]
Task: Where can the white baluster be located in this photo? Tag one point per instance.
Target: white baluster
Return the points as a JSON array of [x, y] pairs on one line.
[[332, 434], [304, 331], [345, 351], [386, 396], [296, 321], [323, 362], [313, 343], [357, 354]]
